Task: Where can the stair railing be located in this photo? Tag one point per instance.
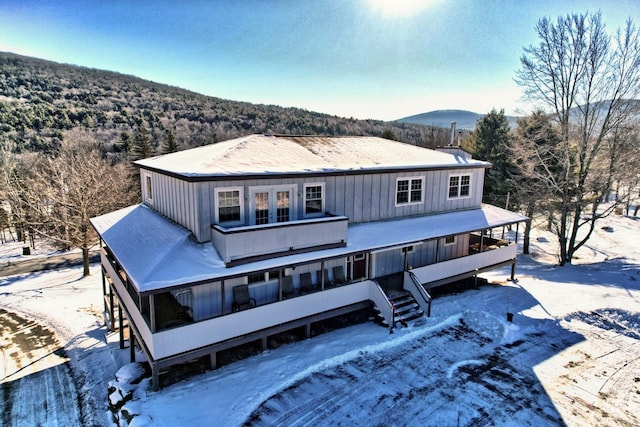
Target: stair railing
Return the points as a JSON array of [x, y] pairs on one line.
[[383, 304], [413, 285]]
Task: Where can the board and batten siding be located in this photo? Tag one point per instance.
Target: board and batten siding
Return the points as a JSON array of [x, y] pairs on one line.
[[360, 197], [392, 261], [174, 198]]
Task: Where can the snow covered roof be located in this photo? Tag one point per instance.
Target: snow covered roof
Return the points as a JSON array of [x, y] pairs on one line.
[[285, 154], [157, 253]]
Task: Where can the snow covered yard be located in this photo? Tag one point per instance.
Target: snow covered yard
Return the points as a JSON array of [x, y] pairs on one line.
[[570, 356]]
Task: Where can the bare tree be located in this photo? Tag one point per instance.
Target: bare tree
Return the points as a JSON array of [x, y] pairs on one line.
[[587, 80], [73, 186], [14, 172]]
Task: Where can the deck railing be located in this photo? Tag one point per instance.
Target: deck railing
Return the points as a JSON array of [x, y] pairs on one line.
[[195, 335], [466, 264]]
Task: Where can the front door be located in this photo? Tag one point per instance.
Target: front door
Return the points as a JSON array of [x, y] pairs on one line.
[[357, 267], [271, 204]]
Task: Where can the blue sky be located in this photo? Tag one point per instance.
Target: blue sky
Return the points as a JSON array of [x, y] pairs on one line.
[[380, 59]]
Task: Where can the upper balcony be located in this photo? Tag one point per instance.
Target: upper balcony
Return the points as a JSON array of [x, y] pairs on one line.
[[238, 245]]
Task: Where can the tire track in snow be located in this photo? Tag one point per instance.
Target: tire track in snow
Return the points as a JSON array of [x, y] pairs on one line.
[[37, 384], [410, 385]]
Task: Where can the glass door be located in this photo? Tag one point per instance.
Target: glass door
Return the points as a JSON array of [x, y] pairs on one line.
[[272, 204], [261, 208]]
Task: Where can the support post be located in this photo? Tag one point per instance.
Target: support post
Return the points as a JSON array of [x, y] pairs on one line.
[[155, 376], [132, 345], [112, 310], [152, 313], [120, 326], [213, 357]]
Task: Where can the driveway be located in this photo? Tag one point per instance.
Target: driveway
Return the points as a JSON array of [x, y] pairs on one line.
[[37, 383]]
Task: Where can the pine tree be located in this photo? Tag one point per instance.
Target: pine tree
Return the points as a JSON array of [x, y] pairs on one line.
[[535, 148], [388, 134], [170, 145], [124, 144], [490, 142], [142, 147]]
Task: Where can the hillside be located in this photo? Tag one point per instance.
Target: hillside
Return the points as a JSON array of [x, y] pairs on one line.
[[465, 120], [39, 100]]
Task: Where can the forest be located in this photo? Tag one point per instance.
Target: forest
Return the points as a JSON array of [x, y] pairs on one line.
[[40, 100]]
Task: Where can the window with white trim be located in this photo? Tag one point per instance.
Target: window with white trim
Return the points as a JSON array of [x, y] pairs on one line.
[[313, 199], [229, 209], [459, 186], [409, 191], [148, 189], [450, 240]]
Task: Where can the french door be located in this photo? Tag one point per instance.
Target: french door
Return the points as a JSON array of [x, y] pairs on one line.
[[272, 204]]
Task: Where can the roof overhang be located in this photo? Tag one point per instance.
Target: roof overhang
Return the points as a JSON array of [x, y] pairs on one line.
[[158, 254]]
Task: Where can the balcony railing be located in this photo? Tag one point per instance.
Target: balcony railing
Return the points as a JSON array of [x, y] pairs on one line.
[[237, 245]]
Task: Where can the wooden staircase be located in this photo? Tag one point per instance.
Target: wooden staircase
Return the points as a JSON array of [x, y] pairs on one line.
[[406, 308]]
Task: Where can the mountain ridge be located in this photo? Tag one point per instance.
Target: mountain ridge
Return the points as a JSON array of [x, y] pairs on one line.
[[40, 100], [464, 119]]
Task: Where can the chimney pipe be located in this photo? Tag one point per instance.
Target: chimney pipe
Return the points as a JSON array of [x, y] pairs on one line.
[[453, 133]]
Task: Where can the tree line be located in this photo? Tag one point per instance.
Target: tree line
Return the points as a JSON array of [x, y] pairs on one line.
[[41, 100]]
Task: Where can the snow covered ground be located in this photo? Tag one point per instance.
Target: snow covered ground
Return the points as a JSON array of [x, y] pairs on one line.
[[570, 357]]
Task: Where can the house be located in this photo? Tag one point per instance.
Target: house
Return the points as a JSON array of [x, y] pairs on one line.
[[240, 240]]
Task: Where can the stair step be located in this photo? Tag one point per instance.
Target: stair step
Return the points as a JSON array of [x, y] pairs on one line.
[[405, 306], [409, 316], [411, 305], [403, 301]]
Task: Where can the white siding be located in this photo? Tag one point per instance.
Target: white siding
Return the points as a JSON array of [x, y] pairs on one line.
[[362, 198]]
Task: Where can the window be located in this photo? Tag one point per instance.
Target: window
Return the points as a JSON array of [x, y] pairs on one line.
[[229, 205], [459, 186], [450, 240], [313, 199], [255, 278], [273, 274], [409, 190], [149, 189], [263, 277]]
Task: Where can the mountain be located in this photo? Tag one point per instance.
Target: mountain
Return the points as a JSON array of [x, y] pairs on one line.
[[464, 119], [41, 100]]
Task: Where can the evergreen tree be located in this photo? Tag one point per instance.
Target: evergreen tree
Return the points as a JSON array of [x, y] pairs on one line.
[[125, 143], [490, 142], [142, 147], [388, 134], [170, 145], [537, 166]]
